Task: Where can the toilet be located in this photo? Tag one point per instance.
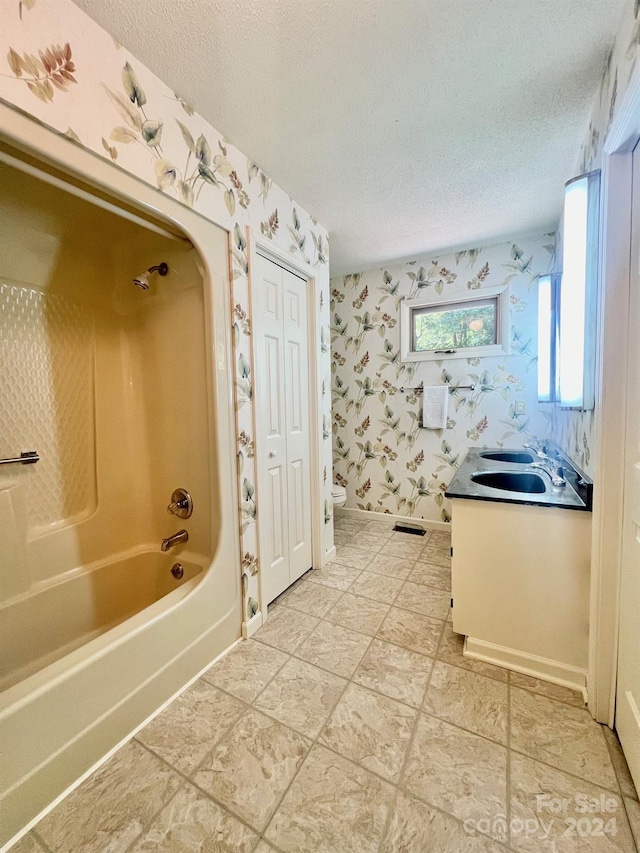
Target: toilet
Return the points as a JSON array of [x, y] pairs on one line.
[[339, 495]]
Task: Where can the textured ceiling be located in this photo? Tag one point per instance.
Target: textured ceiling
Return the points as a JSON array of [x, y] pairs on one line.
[[404, 126]]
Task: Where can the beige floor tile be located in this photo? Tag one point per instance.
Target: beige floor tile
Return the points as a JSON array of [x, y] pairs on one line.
[[350, 525], [368, 541], [565, 737], [439, 539], [404, 545], [193, 822], [633, 814], [377, 587], [264, 847], [461, 773], [436, 576], [450, 651], [249, 770], [424, 599], [393, 567], [620, 765], [333, 806], [381, 529], [354, 557], [536, 790], [473, 702], [335, 575], [247, 669], [398, 673], [312, 598], [358, 613], [435, 557], [335, 648], [370, 729], [28, 844], [411, 630], [185, 731], [286, 629], [110, 809], [301, 696], [415, 827], [546, 688]]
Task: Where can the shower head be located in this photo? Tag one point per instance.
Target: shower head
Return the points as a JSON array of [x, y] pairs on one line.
[[142, 280]]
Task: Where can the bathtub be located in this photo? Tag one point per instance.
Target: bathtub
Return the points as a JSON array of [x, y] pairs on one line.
[[83, 606], [87, 654]]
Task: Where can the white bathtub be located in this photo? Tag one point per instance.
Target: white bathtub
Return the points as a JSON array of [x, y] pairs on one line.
[[44, 626]]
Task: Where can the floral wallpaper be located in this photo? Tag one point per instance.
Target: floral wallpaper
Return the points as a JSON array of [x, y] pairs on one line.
[[386, 461], [59, 66], [574, 430]]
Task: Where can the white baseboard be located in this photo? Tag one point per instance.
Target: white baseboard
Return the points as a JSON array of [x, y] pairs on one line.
[[548, 670], [251, 625], [367, 515], [329, 554]]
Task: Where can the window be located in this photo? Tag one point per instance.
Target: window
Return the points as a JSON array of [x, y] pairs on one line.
[[477, 325], [567, 303]]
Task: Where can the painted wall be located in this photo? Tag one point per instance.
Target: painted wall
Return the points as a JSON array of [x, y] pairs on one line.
[[574, 430], [382, 456], [60, 67]]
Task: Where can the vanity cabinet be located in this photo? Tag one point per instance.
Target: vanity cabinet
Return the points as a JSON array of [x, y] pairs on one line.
[[520, 586]]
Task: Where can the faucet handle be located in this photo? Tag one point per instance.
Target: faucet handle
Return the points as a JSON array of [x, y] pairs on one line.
[[181, 504]]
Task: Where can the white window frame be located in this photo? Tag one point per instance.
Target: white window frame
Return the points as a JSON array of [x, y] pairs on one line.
[[501, 347]]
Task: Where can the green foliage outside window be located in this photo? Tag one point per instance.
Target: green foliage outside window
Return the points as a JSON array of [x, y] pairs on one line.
[[455, 328]]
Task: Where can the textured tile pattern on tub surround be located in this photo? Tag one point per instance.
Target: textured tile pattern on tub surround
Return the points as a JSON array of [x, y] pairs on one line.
[[362, 728]]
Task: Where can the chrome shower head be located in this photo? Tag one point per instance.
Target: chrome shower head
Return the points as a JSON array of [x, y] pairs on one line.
[[142, 280]]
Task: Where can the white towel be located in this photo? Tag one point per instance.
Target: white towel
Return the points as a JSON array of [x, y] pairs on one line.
[[435, 406]]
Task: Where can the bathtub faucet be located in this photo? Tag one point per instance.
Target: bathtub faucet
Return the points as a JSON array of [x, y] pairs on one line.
[[177, 539]]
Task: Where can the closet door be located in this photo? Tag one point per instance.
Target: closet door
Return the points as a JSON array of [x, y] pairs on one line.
[[282, 415]]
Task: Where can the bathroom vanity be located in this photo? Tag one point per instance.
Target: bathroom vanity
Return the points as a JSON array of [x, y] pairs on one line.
[[521, 562]]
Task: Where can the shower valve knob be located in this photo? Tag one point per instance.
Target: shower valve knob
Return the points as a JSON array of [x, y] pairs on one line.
[[181, 504]]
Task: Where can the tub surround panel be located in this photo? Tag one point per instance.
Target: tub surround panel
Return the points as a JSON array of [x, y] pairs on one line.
[[385, 460], [107, 101]]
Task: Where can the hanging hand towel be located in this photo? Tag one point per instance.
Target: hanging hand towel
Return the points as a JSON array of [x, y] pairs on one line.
[[435, 406]]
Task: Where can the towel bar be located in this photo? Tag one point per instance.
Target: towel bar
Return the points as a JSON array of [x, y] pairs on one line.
[[27, 457]]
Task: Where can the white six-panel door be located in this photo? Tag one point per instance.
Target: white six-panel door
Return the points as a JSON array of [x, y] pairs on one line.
[[628, 688], [282, 415]]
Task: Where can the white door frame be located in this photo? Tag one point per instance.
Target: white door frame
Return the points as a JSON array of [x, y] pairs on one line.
[[299, 267], [611, 403]]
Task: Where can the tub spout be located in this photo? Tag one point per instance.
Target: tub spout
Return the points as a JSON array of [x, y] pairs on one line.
[[177, 539]]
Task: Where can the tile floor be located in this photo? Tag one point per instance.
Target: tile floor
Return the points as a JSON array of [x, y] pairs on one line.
[[351, 722]]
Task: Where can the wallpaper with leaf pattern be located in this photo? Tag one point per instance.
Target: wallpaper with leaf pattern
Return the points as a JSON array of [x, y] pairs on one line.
[[386, 461], [574, 430], [59, 66]]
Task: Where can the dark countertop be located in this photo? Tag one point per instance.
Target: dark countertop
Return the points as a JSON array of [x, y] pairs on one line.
[[576, 495]]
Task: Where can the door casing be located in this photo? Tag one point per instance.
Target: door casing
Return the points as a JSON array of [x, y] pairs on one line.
[[260, 245]]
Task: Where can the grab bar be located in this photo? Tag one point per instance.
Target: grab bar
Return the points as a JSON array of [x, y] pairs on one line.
[[27, 457]]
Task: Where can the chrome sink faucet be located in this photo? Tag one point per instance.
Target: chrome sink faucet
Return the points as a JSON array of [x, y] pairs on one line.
[[538, 448], [552, 470], [177, 539]]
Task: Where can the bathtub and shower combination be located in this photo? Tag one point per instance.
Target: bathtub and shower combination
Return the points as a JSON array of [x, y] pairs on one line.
[[119, 563]]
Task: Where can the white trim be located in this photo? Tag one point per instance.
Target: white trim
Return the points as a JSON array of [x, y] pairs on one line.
[[407, 306], [259, 245], [537, 667], [330, 554], [611, 402], [103, 760], [250, 626], [367, 515]]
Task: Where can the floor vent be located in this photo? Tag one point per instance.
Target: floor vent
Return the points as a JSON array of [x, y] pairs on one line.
[[410, 528]]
